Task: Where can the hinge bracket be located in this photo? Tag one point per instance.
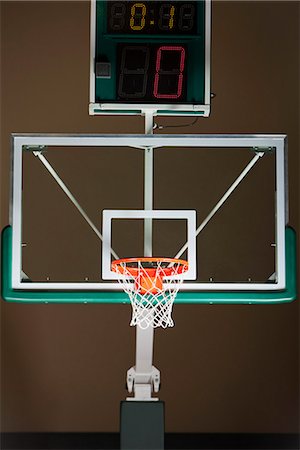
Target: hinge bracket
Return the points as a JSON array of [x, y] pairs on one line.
[[264, 149], [34, 148]]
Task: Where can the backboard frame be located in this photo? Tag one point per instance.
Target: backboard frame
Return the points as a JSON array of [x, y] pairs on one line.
[[208, 293], [109, 215]]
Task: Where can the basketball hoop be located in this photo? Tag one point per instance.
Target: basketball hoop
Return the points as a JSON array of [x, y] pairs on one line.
[[152, 285]]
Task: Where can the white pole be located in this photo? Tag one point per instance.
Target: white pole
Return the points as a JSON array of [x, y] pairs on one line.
[[148, 184], [145, 337]]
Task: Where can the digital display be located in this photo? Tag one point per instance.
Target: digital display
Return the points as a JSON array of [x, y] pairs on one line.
[[151, 17], [150, 53], [151, 72]]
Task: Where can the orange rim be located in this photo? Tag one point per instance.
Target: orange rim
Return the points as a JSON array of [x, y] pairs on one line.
[[181, 266]]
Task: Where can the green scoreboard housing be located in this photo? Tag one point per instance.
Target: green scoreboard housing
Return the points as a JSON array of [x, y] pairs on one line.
[[150, 55]]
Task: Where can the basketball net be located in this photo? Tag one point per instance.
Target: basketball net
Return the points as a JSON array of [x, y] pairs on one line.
[[152, 285]]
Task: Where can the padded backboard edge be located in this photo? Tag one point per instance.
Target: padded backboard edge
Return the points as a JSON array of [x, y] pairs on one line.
[[254, 297]]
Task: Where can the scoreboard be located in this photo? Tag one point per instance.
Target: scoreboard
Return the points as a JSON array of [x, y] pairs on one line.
[[150, 55]]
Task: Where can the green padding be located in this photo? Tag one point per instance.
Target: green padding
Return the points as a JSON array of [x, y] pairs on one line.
[[250, 297], [35, 296]]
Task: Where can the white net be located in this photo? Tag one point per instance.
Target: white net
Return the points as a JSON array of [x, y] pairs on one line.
[[152, 285]]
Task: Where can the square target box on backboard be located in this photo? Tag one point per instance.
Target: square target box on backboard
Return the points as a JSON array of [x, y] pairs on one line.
[[234, 185]]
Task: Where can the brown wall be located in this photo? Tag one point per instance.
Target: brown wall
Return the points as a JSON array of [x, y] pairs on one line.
[[224, 368]]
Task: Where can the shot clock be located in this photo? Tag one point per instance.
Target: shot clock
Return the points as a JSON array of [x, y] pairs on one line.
[[151, 73], [150, 54]]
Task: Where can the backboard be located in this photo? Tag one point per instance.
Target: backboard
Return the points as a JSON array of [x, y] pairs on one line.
[[80, 201]]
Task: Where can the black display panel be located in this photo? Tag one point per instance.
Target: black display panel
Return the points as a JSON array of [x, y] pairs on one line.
[[153, 73], [150, 17]]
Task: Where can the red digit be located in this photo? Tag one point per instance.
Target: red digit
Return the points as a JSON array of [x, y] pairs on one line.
[[170, 72]]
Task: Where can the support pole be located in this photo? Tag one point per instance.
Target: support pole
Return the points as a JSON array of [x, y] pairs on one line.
[[142, 418], [148, 200], [148, 184], [143, 378]]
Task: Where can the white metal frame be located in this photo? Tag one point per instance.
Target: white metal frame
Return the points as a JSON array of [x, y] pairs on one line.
[[129, 108], [109, 215], [145, 142]]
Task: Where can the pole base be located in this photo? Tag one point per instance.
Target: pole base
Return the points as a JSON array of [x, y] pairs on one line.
[[142, 425]]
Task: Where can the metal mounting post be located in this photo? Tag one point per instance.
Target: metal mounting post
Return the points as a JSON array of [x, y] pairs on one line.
[[144, 378], [148, 184]]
